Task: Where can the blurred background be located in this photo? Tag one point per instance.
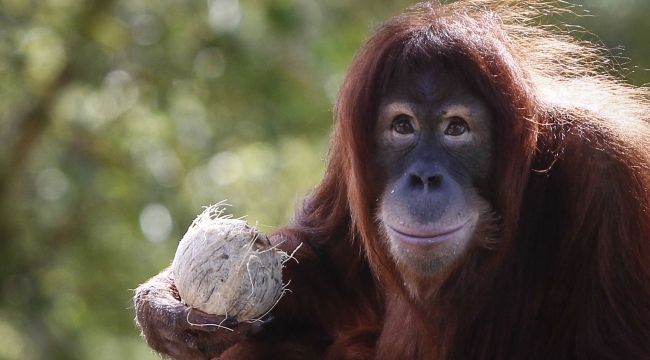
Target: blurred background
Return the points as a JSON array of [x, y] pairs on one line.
[[121, 119]]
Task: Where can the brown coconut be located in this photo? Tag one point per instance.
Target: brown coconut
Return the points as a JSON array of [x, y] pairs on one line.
[[226, 267]]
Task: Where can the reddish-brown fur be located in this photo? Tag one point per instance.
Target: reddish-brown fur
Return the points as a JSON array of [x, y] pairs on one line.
[[567, 274]]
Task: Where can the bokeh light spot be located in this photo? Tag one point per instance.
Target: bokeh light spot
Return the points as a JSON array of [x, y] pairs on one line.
[[13, 343], [51, 184], [225, 168], [165, 166], [156, 222], [45, 55], [224, 15]]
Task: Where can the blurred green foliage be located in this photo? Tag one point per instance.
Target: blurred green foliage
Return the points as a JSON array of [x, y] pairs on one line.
[[120, 120]]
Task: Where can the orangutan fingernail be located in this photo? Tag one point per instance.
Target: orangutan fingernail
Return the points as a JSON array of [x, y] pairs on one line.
[[267, 320], [229, 322]]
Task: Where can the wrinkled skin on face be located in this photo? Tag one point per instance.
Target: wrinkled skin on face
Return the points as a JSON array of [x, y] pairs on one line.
[[434, 137]]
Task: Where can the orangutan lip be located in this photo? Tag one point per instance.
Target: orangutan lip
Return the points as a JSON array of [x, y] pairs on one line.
[[423, 240]]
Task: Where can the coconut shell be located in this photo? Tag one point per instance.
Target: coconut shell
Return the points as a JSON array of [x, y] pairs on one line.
[[227, 267]]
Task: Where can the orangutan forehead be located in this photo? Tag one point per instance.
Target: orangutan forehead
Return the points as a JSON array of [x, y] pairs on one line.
[[425, 86]]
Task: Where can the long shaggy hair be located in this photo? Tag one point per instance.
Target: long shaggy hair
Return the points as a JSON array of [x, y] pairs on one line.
[[569, 276]]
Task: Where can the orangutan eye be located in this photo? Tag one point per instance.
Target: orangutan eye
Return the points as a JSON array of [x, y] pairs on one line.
[[456, 127], [403, 124]]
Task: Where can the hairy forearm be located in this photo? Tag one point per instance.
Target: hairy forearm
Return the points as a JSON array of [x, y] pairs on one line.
[[321, 294]]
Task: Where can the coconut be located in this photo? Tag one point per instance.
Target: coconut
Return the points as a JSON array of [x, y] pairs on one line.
[[224, 266]]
